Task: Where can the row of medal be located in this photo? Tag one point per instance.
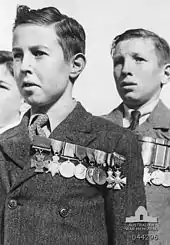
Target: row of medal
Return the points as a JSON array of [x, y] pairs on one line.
[[158, 177], [67, 169], [156, 155], [70, 160]]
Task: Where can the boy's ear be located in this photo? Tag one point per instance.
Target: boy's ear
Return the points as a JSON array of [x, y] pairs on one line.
[[166, 74], [78, 63]]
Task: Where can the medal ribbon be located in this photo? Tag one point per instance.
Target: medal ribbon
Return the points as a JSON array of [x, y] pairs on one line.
[[160, 154], [156, 152], [72, 151], [90, 155], [100, 157], [117, 160], [69, 150], [99, 175], [80, 152], [41, 143], [57, 146]]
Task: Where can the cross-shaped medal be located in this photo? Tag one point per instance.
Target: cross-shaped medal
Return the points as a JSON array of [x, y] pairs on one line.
[[54, 166], [115, 181], [38, 163]]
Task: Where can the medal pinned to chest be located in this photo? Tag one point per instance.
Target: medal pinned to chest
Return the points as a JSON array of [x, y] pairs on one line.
[[161, 176], [156, 156], [98, 171], [70, 160], [63, 160], [105, 169], [91, 166], [115, 179], [81, 167], [42, 148], [54, 164], [67, 166]]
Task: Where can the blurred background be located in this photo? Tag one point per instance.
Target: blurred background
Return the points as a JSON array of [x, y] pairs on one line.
[[102, 21]]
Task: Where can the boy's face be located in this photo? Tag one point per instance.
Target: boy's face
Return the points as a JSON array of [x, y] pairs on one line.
[[136, 71], [10, 98], [41, 72]]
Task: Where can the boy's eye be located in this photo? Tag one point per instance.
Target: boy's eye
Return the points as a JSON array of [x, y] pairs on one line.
[[17, 55], [3, 87], [118, 60], [38, 53], [138, 58]]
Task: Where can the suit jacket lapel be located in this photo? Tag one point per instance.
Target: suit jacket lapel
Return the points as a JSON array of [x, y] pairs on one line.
[[19, 140], [160, 120], [116, 116], [160, 117], [15, 143], [76, 128]]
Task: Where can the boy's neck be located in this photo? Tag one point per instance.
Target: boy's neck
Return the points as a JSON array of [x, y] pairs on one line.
[[57, 111]]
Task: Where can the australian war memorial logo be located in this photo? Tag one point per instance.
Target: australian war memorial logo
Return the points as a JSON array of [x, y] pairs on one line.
[[142, 226], [141, 216]]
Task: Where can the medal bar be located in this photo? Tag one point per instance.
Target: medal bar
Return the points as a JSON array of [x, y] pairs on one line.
[[156, 154], [70, 160]]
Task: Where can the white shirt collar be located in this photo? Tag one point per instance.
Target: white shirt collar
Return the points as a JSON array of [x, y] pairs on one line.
[[145, 111]]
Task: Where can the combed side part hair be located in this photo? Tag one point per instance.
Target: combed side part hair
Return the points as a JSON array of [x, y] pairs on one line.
[[70, 32]]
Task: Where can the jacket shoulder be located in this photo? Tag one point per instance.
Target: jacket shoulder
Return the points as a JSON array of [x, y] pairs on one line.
[[115, 115], [160, 117], [99, 123]]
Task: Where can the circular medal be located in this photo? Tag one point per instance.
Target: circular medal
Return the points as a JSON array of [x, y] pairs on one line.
[[89, 175], [166, 181], [67, 169], [80, 171], [157, 177], [99, 176]]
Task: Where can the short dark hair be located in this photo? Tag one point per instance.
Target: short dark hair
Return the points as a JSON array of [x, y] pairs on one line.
[[71, 34], [6, 58], [161, 45]]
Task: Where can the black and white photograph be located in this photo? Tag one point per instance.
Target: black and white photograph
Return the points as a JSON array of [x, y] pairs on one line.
[[84, 122]]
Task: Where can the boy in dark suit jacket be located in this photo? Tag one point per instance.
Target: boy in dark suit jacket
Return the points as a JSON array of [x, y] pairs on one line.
[[141, 61], [80, 183]]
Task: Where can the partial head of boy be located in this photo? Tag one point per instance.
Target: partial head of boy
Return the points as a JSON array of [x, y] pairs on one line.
[[141, 62], [10, 98], [48, 50]]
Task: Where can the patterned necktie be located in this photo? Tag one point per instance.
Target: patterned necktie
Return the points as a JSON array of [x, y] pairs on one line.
[[36, 127], [135, 115]]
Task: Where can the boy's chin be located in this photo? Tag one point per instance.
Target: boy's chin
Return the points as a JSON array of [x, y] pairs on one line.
[[132, 103]]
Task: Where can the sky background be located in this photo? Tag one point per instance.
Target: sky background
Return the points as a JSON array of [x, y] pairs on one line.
[[102, 21]]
